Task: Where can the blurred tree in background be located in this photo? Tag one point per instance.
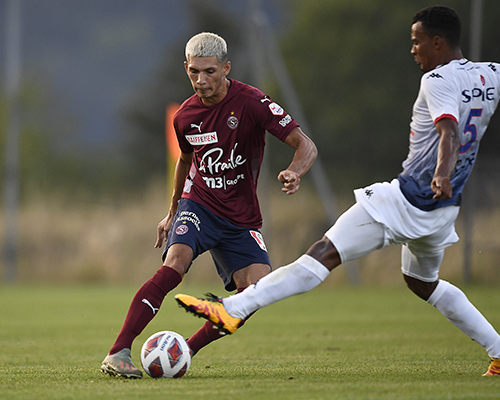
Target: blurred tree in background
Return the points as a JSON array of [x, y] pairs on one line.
[[50, 161]]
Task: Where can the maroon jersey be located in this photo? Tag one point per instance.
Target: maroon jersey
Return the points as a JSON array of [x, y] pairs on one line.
[[228, 141]]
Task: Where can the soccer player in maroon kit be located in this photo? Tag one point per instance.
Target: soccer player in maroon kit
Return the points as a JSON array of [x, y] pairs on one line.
[[221, 132]]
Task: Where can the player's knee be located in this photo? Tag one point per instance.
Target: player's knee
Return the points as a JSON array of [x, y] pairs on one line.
[[420, 288], [249, 275], [325, 252]]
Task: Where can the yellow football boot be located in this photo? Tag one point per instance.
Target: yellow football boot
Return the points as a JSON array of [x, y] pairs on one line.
[[494, 368], [212, 309]]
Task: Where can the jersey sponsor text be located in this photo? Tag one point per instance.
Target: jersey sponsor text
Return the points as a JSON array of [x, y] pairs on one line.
[[202, 139], [210, 162]]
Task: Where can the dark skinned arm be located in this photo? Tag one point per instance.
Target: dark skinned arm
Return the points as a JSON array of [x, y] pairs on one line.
[[449, 145]]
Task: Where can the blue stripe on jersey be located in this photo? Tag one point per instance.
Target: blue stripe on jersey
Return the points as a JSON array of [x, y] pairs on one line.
[[421, 197]]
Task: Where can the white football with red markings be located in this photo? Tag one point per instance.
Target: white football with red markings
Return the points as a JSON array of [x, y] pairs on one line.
[[165, 354]]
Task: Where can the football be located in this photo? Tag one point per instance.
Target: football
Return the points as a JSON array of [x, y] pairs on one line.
[[165, 354]]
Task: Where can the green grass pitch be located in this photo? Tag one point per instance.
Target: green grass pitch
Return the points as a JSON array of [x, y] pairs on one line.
[[331, 343]]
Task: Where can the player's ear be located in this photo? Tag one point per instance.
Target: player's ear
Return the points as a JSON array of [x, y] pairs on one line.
[[438, 42], [227, 68]]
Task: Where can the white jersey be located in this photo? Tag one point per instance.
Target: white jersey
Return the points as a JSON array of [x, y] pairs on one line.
[[461, 90]]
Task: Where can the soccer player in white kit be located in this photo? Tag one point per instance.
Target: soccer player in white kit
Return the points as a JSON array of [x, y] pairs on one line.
[[418, 210]]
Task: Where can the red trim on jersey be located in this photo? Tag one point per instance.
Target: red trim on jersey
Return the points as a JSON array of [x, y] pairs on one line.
[[445, 116]]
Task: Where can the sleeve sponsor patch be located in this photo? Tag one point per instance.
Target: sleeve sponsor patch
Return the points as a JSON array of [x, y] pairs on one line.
[[276, 109]]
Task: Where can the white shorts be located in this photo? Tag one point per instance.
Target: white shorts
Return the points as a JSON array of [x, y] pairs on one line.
[[383, 216]]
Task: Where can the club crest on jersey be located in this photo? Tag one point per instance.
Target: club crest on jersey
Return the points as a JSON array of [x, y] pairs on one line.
[[259, 239], [232, 122], [276, 109], [202, 138]]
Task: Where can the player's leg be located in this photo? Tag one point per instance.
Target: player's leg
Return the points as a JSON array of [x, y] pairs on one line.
[[143, 309], [354, 234], [420, 274], [185, 242], [149, 297], [232, 255], [247, 276], [243, 278]]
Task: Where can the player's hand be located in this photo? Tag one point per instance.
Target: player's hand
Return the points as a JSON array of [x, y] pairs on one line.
[[290, 181], [441, 186], [162, 231]]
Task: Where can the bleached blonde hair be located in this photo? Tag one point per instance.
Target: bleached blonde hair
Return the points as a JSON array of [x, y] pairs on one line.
[[207, 44]]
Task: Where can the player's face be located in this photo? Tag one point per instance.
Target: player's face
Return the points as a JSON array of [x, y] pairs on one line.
[[208, 77], [424, 48]]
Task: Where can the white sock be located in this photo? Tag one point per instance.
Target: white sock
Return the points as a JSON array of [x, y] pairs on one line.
[[455, 306], [298, 277]]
